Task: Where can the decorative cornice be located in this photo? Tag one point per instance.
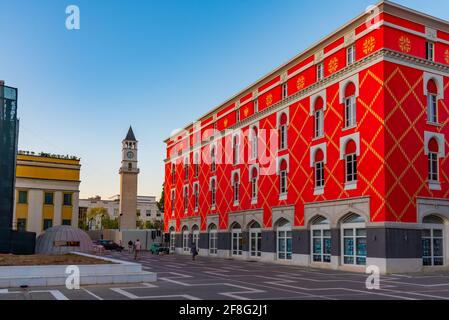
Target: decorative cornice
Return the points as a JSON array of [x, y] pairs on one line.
[[380, 55]]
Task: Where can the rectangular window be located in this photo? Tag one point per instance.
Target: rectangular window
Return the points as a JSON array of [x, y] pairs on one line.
[[320, 72], [237, 116], [148, 213], [283, 142], [197, 170], [321, 245], [284, 90], [66, 222], [430, 51], [23, 197], [213, 196], [254, 189], [256, 105], [21, 224], [319, 174], [48, 223], [432, 104], [351, 55], [67, 199], [319, 123], [351, 168], [138, 212], [236, 192], [350, 116], [48, 198], [433, 166], [283, 186], [213, 242]]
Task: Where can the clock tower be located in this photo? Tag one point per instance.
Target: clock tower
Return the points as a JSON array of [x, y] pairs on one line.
[[128, 182]]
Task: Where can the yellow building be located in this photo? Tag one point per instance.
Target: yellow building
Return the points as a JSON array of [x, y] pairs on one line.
[[47, 191]]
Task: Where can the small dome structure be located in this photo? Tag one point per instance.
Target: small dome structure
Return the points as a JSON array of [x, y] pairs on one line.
[[62, 240]]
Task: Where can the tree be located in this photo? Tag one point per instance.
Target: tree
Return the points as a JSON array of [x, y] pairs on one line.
[[160, 203], [109, 223], [97, 214]]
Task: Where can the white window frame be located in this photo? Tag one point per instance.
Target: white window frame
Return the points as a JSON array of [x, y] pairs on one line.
[[237, 116], [430, 51], [319, 182], [213, 155], [284, 90], [213, 193], [213, 239], [185, 241], [321, 228], [283, 174], [173, 201], [255, 234], [350, 55], [254, 143], [256, 106], [320, 71], [432, 237], [236, 238], [196, 196], [354, 227], [432, 108], [236, 149], [319, 123], [281, 234], [351, 178], [172, 241], [350, 112], [196, 165], [433, 167], [185, 191], [196, 237]]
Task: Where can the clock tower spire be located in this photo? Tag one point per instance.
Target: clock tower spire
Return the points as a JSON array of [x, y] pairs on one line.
[[128, 182]]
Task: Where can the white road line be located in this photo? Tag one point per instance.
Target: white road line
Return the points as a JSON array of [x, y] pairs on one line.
[[92, 294], [4, 291], [134, 297], [57, 294]]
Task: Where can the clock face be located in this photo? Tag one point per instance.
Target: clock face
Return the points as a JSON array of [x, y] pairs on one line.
[[130, 155]]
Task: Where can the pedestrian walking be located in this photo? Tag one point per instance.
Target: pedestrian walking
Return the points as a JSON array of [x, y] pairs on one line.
[[194, 250], [137, 248], [130, 246]]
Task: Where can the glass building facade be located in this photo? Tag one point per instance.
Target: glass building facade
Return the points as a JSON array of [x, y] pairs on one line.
[[8, 150]]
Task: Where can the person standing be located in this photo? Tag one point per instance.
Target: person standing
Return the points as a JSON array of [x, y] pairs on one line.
[[130, 246], [194, 250], [137, 248]]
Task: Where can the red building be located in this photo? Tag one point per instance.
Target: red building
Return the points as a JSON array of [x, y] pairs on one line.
[[337, 159]]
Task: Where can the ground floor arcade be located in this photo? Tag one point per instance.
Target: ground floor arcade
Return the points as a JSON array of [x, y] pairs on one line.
[[335, 235]]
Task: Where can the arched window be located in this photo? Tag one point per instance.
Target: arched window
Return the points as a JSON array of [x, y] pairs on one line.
[[172, 239], [433, 165], [186, 199], [254, 179], [235, 150], [351, 161], [321, 240], [186, 169], [283, 124], [283, 168], [130, 166], [196, 165], [196, 196], [235, 186], [213, 239], [195, 236], [173, 173], [213, 157], [254, 143], [172, 198], [236, 240], [255, 239], [350, 106], [185, 239], [432, 101], [353, 233], [284, 240], [213, 193], [319, 169], [319, 118], [433, 241]]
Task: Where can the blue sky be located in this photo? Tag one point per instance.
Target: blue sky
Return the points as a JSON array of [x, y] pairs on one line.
[[154, 64]]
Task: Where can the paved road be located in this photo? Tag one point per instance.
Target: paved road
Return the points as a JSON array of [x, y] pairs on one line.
[[180, 278]]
